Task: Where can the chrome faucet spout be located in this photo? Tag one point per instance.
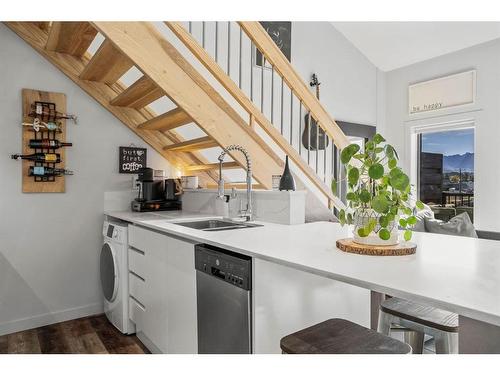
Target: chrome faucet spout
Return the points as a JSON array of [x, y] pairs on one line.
[[247, 213]]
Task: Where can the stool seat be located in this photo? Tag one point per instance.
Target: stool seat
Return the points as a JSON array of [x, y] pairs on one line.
[[426, 315], [339, 336]]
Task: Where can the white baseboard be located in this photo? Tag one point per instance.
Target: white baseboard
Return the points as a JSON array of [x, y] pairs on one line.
[[50, 318]]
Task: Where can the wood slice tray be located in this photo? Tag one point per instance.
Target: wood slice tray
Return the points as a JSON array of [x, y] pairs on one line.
[[403, 248]]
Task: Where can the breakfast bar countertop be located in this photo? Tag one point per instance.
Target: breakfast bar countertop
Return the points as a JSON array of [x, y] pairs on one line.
[[457, 274]]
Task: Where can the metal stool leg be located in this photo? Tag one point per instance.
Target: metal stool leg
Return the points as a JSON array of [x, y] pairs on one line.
[[446, 343], [384, 323], [416, 340]]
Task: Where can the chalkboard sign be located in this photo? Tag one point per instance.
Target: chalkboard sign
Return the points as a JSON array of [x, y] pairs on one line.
[[131, 159], [281, 34]]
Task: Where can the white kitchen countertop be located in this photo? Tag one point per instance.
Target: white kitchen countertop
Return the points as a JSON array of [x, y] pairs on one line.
[[454, 273]]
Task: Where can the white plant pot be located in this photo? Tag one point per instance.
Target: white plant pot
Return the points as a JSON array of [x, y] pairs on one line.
[[361, 218]]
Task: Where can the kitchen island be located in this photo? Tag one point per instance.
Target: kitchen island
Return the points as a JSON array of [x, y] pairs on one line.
[[457, 274]]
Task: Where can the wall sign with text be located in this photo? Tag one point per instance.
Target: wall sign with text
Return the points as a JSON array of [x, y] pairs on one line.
[[445, 92], [131, 159]]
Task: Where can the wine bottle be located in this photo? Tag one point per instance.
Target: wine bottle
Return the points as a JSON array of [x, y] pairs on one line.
[[39, 110], [40, 157], [48, 143], [48, 171]]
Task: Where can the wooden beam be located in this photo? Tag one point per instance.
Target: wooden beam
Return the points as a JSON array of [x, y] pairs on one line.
[[170, 120], [256, 116], [44, 25], [139, 94], [162, 62], [72, 67], [212, 166], [107, 65], [192, 145], [273, 54], [73, 38]]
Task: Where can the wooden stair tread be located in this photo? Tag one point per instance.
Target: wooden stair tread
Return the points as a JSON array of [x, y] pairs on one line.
[[427, 315], [192, 145], [212, 166], [73, 38], [107, 65], [339, 336], [139, 94], [167, 121]]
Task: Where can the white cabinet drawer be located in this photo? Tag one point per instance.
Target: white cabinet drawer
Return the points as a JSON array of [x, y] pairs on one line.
[[136, 313], [137, 262], [145, 239], [137, 288]]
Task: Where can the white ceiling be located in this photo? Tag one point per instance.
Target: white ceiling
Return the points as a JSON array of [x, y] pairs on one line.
[[391, 45]]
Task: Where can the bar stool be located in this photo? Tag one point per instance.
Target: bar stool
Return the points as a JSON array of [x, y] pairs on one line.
[[339, 336], [419, 320]]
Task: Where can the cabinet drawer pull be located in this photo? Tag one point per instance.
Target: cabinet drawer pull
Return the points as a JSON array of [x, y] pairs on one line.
[[141, 305], [136, 275], [137, 250]]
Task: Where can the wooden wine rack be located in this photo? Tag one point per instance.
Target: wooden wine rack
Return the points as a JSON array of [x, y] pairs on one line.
[[30, 183]]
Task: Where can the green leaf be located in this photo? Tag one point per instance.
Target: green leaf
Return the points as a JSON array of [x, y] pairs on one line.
[[376, 171], [349, 219], [392, 163], [364, 196], [351, 196], [380, 204], [378, 150], [383, 221], [407, 210], [399, 180], [369, 146], [403, 223], [389, 151], [353, 176], [384, 234], [359, 156], [334, 187], [377, 138], [419, 205], [342, 217], [348, 152], [372, 223], [412, 220], [407, 235], [362, 233]]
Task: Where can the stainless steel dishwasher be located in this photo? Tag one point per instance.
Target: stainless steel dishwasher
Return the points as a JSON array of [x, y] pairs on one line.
[[224, 297]]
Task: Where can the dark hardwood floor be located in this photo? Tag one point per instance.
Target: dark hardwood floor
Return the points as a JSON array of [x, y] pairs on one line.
[[90, 335]]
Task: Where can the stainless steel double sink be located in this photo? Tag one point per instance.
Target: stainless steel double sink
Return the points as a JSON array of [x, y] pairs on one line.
[[216, 225]]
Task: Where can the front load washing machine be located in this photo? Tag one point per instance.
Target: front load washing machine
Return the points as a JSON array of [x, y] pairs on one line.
[[114, 274]]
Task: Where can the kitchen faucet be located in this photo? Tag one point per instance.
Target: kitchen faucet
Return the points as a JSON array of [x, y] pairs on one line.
[[247, 213]]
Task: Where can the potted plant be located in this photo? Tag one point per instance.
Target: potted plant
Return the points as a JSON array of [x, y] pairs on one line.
[[378, 194]]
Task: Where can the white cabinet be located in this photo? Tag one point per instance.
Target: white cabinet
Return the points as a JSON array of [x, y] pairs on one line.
[[287, 300], [167, 292]]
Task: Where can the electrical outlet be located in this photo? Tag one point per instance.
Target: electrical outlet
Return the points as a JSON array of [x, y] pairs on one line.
[[135, 182]]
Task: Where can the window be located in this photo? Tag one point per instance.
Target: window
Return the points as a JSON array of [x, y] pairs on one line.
[[446, 168]]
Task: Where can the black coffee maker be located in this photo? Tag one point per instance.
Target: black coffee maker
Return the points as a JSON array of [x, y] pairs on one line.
[[156, 195]]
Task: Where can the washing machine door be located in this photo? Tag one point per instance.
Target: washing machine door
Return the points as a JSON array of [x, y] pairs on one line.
[[109, 272]]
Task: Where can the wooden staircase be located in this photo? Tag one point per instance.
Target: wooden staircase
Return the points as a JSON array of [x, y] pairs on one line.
[[166, 72]]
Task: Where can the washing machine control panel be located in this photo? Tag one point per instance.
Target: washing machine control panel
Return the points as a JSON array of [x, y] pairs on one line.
[[116, 232]]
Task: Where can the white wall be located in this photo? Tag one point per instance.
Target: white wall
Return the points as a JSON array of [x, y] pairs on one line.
[[485, 58], [50, 243]]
